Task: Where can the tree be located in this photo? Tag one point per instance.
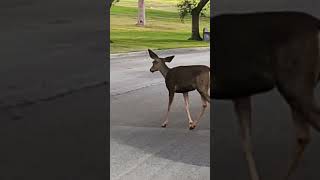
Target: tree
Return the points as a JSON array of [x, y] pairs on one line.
[[195, 8], [141, 13], [111, 2]]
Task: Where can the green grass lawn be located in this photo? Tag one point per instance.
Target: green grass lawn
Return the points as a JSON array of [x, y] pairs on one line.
[[164, 30]]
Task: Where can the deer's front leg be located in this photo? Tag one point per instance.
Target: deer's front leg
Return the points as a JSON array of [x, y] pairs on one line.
[[243, 110], [165, 123], [186, 101]]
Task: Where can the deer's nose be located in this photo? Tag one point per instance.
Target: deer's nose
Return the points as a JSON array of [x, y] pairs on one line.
[[151, 70]]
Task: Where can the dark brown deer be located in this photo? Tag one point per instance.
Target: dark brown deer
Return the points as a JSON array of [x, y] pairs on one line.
[[253, 53], [183, 79]]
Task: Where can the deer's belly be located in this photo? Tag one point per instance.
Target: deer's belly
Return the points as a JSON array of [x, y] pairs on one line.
[[184, 88]]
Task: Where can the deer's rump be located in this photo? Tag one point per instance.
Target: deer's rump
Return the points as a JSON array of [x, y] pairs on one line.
[[244, 47]]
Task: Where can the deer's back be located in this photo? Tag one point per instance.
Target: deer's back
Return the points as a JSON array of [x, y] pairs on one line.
[[244, 53], [183, 78]]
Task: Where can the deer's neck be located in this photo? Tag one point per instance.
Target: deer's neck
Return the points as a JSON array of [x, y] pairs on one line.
[[164, 69]]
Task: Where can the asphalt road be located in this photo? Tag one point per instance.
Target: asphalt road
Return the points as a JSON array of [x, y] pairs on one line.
[[63, 138], [273, 139], [49, 47], [140, 148]]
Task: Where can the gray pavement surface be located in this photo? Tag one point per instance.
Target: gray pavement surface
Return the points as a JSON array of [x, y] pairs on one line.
[[61, 139], [273, 138], [140, 148], [50, 47]]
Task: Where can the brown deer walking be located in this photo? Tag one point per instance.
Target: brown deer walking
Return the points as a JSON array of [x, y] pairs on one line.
[[183, 79], [253, 53]]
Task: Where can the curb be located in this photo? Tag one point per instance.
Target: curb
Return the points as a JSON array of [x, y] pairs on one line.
[[166, 51]]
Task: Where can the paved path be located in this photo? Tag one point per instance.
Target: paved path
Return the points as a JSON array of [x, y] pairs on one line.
[[140, 148]]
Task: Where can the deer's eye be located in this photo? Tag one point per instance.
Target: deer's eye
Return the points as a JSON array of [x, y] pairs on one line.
[[155, 62]]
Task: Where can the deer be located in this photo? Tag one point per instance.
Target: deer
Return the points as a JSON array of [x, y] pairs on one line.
[[183, 79], [255, 52]]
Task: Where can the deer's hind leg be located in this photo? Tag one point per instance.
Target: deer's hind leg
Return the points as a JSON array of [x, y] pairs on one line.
[[300, 102], [303, 137], [186, 101], [306, 116], [204, 106], [203, 88], [296, 80], [203, 84]]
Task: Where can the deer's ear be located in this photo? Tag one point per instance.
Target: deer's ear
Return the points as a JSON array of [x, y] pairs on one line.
[[168, 59], [152, 54]]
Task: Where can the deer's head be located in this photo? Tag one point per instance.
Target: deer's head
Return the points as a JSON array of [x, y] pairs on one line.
[[158, 62]]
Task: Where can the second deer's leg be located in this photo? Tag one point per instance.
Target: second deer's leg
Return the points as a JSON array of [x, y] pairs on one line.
[[171, 96], [186, 101], [243, 111]]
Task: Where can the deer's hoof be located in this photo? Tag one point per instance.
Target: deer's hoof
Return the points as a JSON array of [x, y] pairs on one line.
[[192, 126], [164, 125]]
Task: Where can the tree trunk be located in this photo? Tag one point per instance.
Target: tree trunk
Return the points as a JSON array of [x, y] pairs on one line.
[[195, 35], [110, 3], [196, 20], [141, 13]]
